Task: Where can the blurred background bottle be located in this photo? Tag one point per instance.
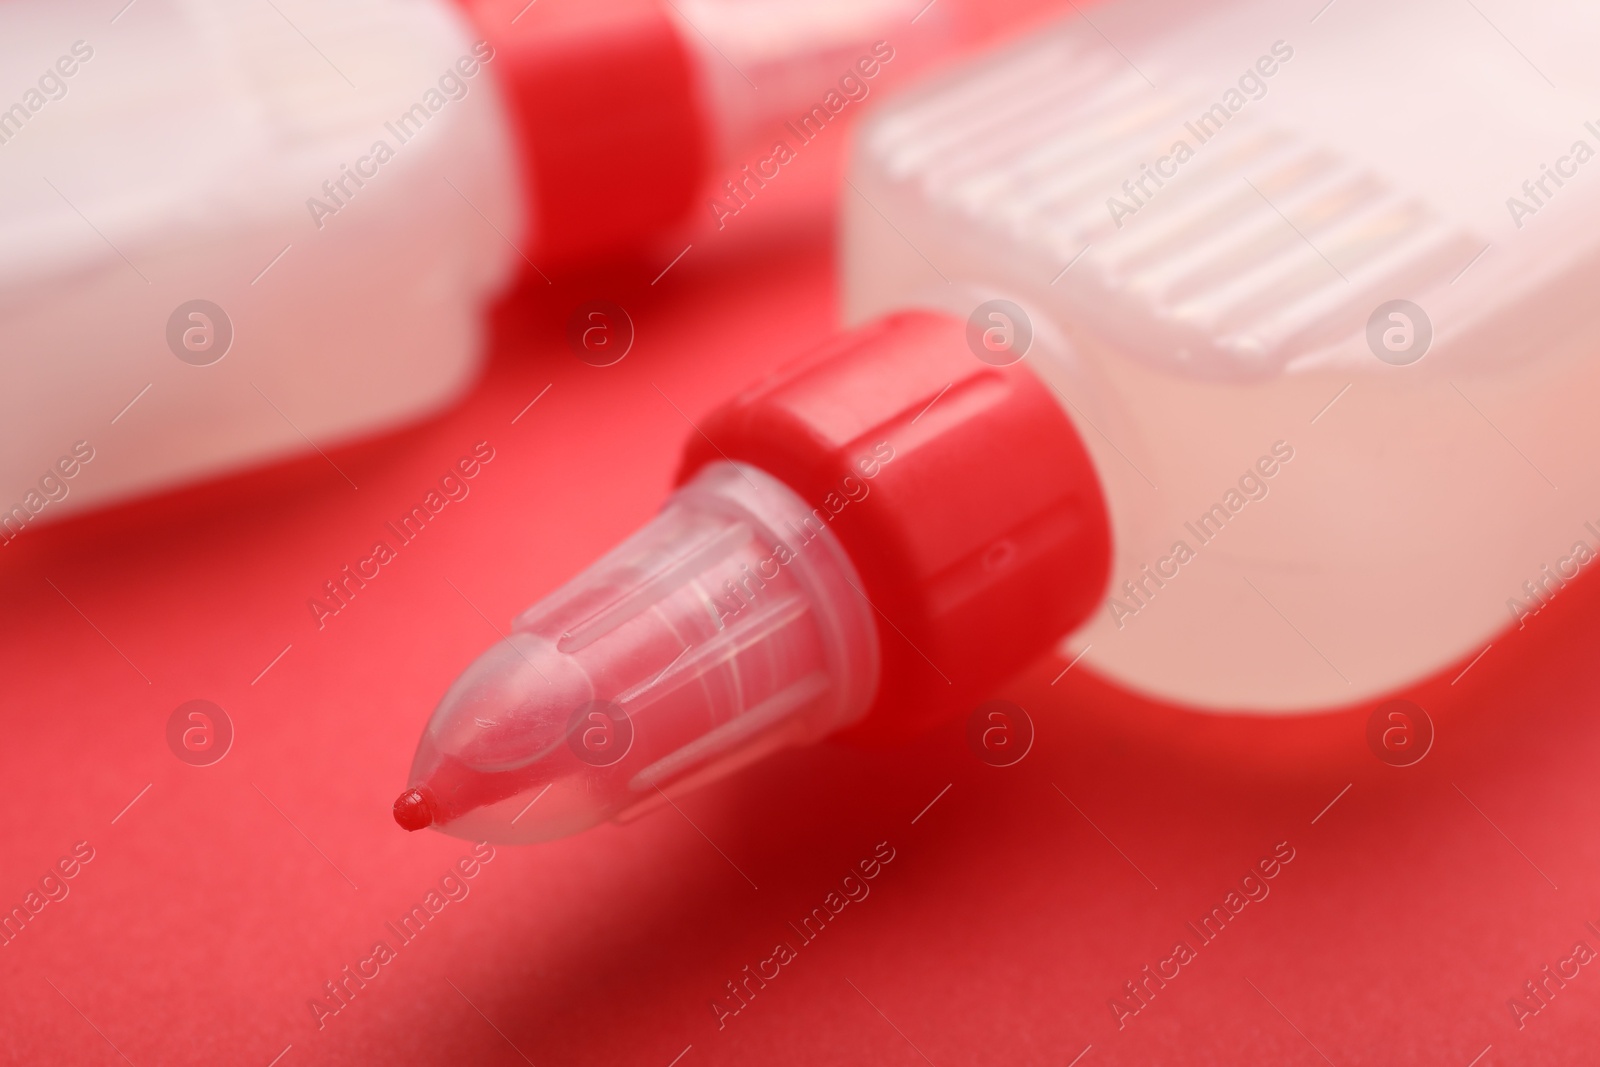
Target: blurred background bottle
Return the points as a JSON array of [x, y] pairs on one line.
[[233, 234]]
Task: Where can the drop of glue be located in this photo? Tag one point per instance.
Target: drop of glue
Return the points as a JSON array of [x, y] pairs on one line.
[[413, 810]]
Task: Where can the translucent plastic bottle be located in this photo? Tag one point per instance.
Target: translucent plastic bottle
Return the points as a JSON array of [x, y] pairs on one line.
[[234, 232], [1308, 303]]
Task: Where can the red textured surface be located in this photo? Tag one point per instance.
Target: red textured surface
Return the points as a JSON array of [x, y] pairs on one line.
[[206, 922], [909, 448]]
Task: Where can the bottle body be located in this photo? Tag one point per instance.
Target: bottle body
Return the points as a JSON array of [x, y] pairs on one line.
[[1351, 556], [1308, 510], [328, 210]]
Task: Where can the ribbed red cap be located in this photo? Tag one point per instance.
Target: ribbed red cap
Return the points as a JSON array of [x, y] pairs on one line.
[[609, 125], [960, 490]]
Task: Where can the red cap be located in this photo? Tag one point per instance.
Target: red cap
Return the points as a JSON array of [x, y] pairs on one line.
[[611, 133], [960, 490]]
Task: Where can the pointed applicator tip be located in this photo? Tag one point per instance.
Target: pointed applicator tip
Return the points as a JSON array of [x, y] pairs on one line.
[[413, 810]]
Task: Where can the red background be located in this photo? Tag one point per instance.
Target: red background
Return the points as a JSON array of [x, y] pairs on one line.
[[208, 919]]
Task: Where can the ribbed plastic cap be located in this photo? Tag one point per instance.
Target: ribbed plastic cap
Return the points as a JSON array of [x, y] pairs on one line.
[[961, 491], [609, 127]]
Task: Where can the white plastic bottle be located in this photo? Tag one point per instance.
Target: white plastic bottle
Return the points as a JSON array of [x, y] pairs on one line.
[[236, 232], [166, 157]]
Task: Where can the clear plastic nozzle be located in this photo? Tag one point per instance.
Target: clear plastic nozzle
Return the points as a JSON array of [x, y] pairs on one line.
[[731, 625]]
